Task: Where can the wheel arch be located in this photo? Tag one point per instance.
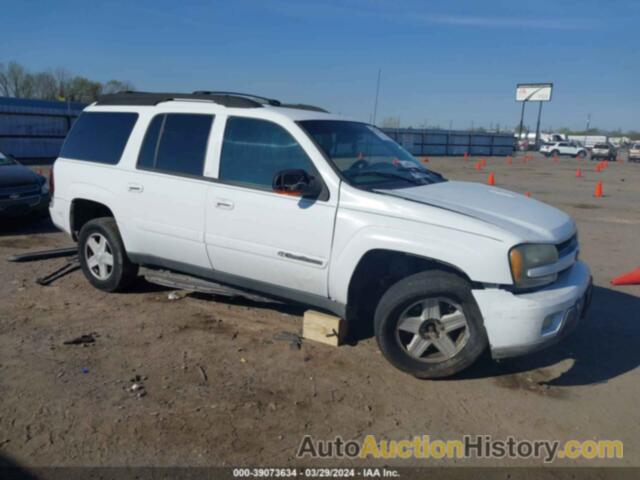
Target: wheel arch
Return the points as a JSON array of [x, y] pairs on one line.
[[376, 271], [84, 210]]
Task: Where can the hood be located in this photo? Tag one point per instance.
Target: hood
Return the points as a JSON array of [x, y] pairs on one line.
[[531, 220], [17, 175]]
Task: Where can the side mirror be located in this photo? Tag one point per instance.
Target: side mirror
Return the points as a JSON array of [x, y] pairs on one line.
[[297, 183]]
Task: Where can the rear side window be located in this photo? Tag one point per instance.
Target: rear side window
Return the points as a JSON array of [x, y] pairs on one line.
[[255, 150], [99, 136], [176, 143]]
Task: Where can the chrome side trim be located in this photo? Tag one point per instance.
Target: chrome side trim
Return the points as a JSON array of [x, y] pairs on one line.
[[300, 258]]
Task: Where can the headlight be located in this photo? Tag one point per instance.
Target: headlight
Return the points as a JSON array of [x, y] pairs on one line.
[[525, 257]]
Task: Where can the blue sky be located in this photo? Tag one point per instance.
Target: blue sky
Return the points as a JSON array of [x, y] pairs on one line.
[[443, 62]]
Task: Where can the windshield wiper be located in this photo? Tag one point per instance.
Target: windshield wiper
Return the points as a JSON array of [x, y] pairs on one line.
[[387, 175], [434, 177]]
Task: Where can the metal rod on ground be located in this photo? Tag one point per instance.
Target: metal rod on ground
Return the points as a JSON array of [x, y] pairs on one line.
[[72, 266], [43, 255]]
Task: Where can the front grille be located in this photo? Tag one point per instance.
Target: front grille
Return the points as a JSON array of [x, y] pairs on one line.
[[21, 190], [567, 246]]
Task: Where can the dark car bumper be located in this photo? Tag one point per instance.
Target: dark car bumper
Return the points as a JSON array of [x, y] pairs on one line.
[[37, 204]]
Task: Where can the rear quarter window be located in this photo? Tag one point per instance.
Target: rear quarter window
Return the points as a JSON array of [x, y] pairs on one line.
[[99, 137]]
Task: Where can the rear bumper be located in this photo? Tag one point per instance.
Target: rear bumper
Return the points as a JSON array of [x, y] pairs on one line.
[[522, 323], [59, 210]]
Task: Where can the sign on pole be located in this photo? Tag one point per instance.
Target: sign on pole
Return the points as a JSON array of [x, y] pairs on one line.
[[533, 92]]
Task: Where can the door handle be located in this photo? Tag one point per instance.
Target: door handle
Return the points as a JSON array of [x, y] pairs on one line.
[[135, 188], [224, 204]]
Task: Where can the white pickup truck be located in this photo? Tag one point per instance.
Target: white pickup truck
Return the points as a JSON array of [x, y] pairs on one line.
[[293, 203]]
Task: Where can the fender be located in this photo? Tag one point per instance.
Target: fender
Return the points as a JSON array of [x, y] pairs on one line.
[[99, 194], [468, 252]]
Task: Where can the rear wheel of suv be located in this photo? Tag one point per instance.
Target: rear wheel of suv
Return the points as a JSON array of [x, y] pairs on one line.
[[429, 325], [555, 153], [581, 154], [102, 256]]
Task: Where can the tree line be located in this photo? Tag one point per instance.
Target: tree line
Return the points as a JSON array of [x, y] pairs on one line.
[[54, 84]]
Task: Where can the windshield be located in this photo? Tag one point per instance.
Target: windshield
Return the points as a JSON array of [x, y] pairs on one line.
[[366, 156], [6, 160]]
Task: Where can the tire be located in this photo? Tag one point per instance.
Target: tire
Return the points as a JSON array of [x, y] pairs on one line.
[[555, 153], [408, 298], [581, 154], [99, 244]]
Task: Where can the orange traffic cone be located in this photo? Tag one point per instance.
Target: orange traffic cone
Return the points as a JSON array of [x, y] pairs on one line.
[[425, 159], [466, 155], [509, 160], [629, 278], [578, 172], [527, 194], [606, 163], [555, 158], [598, 191], [492, 179], [484, 162], [478, 165]]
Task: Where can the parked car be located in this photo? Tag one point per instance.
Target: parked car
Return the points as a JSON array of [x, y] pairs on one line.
[[22, 191], [294, 203], [563, 148], [634, 152], [604, 150]]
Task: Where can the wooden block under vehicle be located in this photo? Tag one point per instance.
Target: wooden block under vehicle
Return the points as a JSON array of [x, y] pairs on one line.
[[323, 328]]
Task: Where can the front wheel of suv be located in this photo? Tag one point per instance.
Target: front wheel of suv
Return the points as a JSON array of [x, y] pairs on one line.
[[102, 256], [429, 325]]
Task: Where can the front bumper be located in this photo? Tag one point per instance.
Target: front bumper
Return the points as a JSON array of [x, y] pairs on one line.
[[24, 206], [521, 323]]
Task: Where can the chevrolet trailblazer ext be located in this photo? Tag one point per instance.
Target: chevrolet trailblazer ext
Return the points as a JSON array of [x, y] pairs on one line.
[[293, 203]]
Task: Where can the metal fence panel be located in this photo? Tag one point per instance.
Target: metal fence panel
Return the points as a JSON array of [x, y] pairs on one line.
[[34, 130], [453, 142]]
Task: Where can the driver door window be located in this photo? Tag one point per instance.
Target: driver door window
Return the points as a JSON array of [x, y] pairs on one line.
[[254, 150]]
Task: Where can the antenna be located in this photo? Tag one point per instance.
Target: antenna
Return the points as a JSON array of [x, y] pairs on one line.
[[375, 103]]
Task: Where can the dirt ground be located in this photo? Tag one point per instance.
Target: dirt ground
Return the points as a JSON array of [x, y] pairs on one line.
[[221, 387]]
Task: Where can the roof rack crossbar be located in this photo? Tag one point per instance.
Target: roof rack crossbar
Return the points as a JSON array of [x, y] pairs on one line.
[[269, 101]]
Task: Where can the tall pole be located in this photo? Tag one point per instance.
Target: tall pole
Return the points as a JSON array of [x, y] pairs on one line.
[[375, 103], [521, 121], [538, 125]]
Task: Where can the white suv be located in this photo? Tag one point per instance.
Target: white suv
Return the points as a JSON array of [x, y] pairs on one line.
[[563, 148], [296, 204]]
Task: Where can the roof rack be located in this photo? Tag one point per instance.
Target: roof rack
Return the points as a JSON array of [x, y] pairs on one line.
[[147, 98], [227, 99], [302, 106], [263, 100]]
